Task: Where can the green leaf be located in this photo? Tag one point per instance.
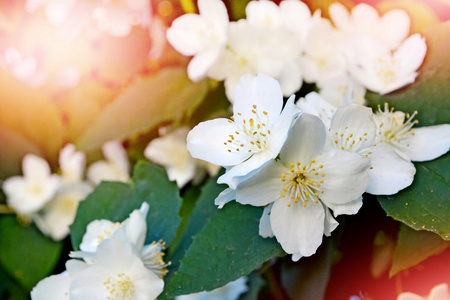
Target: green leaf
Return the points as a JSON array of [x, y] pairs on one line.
[[153, 186], [110, 200], [204, 209], [308, 278], [430, 94], [414, 247], [17, 243], [116, 200], [168, 95], [227, 248], [424, 205]]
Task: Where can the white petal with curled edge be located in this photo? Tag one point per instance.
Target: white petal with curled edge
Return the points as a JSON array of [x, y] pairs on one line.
[[298, 229], [349, 208], [224, 197], [206, 142], [428, 143], [389, 173], [330, 223], [265, 230]]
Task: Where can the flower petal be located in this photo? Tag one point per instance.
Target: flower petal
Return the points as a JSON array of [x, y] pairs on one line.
[[389, 173], [224, 197], [298, 229], [349, 208], [428, 142], [265, 230], [330, 223], [35, 167], [352, 128], [306, 139], [200, 64], [55, 287], [314, 104], [346, 177], [262, 188], [262, 91], [206, 141]]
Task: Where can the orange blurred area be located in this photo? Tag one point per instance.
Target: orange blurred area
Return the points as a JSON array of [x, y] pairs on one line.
[[55, 81]]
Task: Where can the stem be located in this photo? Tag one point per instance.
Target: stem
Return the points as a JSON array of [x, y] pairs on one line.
[[274, 286], [5, 209]]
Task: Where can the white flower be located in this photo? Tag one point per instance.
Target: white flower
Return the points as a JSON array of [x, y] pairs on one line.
[[115, 168], [303, 184], [202, 36], [30, 193], [439, 292], [58, 214], [417, 144], [72, 163], [391, 29], [353, 129], [321, 59], [292, 21], [250, 50], [170, 151], [131, 231], [374, 66], [117, 274], [230, 291], [254, 135]]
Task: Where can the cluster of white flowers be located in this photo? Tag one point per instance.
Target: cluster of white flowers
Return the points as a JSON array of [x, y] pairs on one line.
[[117, 264], [306, 160], [292, 45], [51, 200]]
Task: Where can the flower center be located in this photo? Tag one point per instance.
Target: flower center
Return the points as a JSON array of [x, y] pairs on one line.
[[391, 128], [152, 256], [253, 134], [303, 183], [346, 140], [107, 233], [35, 188], [119, 287], [386, 67]]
